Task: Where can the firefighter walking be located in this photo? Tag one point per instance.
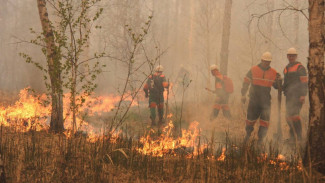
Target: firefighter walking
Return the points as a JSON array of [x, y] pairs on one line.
[[261, 78], [223, 88], [295, 89], [154, 89]]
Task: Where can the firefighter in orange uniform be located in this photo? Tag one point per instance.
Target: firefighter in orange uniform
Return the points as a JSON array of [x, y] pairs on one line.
[[295, 89], [154, 89], [222, 94], [261, 78]]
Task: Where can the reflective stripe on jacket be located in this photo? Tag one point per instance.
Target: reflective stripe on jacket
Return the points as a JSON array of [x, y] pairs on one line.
[[263, 78], [295, 80]]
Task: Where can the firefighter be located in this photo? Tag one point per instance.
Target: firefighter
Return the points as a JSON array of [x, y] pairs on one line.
[[154, 89], [295, 89], [261, 78], [222, 96]]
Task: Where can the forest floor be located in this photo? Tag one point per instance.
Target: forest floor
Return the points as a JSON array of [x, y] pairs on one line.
[[45, 157]]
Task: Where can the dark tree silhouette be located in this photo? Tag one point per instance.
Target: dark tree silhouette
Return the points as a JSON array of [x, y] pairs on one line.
[[315, 149]]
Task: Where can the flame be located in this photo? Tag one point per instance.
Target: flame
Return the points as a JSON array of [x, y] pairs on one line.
[[92, 106], [28, 113], [112, 137], [300, 166], [262, 158], [222, 156], [279, 161], [166, 144], [281, 157], [170, 115]]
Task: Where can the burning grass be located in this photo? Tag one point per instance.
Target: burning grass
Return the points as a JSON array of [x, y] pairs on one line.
[[30, 112], [32, 154], [42, 157], [166, 144]]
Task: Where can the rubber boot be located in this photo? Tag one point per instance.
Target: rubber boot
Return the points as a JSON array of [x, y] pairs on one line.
[[292, 138], [227, 114], [262, 131], [153, 122], [161, 117], [161, 121], [249, 130], [215, 114], [298, 130], [153, 116]]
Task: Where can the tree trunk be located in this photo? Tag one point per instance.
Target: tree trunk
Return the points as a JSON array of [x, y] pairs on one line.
[[225, 38], [208, 54], [4, 65], [156, 28], [315, 150], [191, 30], [54, 69], [73, 104], [270, 7], [296, 24]]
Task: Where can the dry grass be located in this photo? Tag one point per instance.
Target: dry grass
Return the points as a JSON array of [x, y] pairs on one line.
[[46, 157]]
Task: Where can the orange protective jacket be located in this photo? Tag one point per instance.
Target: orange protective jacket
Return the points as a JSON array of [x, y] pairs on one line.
[[295, 80], [155, 84], [261, 81]]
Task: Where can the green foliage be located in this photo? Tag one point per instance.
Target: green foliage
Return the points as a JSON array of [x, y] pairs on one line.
[[71, 35], [136, 42]]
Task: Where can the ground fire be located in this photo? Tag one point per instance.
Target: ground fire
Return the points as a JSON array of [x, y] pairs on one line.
[[31, 113], [166, 144], [162, 91]]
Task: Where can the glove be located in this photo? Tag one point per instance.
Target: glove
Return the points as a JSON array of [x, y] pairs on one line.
[[279, 80], [243, 99], [302, 99]]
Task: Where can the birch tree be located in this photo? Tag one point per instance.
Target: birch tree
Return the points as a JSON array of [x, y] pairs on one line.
[[296, 24], [225, 38], [54, 64], [65, 43], [314, 156]]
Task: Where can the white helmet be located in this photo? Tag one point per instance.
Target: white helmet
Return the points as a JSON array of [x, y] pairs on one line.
[[213, 67], [292, 51], [159, 68], [267, 56]]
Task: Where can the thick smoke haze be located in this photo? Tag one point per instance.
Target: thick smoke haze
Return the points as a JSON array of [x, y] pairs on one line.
[[185, 36], [187, 31]]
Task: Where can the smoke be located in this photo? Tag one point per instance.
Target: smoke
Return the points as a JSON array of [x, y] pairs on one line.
[[186, 32]]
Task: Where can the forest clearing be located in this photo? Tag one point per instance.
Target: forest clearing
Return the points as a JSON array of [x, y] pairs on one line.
[[162, 91]]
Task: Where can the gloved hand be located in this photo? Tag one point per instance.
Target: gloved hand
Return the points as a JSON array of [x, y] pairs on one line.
[[278, 76], [243, 99], [302, 99]]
